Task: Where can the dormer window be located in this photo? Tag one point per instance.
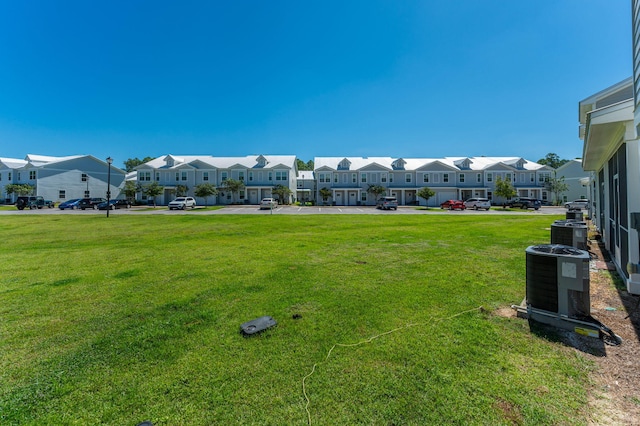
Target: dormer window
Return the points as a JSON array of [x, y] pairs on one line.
[[344, 164], [398, 164], [262, 162]]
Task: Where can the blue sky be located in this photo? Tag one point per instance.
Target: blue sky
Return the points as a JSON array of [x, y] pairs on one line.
[[311, 78]]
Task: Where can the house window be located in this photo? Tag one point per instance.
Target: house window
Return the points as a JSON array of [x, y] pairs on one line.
[[9, 176], [84, 177], [363, 196], [142, 176], [407, 177], [250, 176], [205, 176], [299, 184], [354, 178], [478, 177], [223, 176], [282, 176], [489, 177], [445, 178], [507, 177], [335, 178], [62, 194], [270, 176], [532, 179], [87, 194], [363, 177], [157, 176], [241, 176], [383, 178], [242, 195], [461, 177], [425, 178], [390, 177], [543, 177], [32, 175], [184, 175], [177, 176]]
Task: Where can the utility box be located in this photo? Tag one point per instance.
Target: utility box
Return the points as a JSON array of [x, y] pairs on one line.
[[558, 282], [569, 233]]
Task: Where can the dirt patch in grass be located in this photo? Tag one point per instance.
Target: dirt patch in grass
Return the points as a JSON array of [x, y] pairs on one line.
[[614, 398]]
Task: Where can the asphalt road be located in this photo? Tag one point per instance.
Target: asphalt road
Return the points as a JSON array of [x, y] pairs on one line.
[[292, 210]]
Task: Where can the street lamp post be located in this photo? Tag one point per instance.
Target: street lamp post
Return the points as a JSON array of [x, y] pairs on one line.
[[109, 161]]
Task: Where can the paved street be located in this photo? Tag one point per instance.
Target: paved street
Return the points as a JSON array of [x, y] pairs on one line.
[[290, 210]]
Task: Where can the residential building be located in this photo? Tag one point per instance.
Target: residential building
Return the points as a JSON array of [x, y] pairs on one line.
[[576, 178], [349, 178], [611, 152], [61, 178], [260, 174], [306, 186]]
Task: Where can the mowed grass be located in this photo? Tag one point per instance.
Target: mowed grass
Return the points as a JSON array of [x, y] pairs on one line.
[[132, 318]]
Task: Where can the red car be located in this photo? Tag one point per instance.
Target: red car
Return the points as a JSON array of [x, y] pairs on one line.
[[453, 205]]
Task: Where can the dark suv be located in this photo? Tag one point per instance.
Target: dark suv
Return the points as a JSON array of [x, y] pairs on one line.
[[525, 203], [91, 203], [32, 202]]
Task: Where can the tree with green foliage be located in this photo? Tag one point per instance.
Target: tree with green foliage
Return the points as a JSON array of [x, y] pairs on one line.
[[181, 190], [325, 193], [20, 189], [205, 190], [556, 186], [233, 186], [132, 163], [552, 160], [130, 189], [283, 193], [376, 190], [152, 190], [304, 166], [504, 188], [426, 193]]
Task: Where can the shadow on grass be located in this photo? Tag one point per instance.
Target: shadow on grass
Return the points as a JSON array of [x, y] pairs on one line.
[[590, 345]]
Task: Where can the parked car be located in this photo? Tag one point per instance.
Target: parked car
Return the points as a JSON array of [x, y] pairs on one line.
[[115, 204], [581, 204], [69, 204], [32, 202], [525, 203], [91, 203], [182, 203], [387, 203], [268, 203], [477, 203], [453, 205]]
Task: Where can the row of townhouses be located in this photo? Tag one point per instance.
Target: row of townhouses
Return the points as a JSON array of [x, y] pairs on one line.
[[342, 181]]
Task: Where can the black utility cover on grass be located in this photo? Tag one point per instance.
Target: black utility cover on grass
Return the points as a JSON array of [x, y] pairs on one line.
[[257, 325]]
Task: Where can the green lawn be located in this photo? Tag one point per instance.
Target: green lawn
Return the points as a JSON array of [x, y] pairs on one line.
[[114, 321]]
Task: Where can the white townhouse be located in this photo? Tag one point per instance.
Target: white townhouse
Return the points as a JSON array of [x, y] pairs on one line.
[[61, 178], [611, 151], [306, 186], [260, 174], [348, 178], [8, 167], [576, 178]]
